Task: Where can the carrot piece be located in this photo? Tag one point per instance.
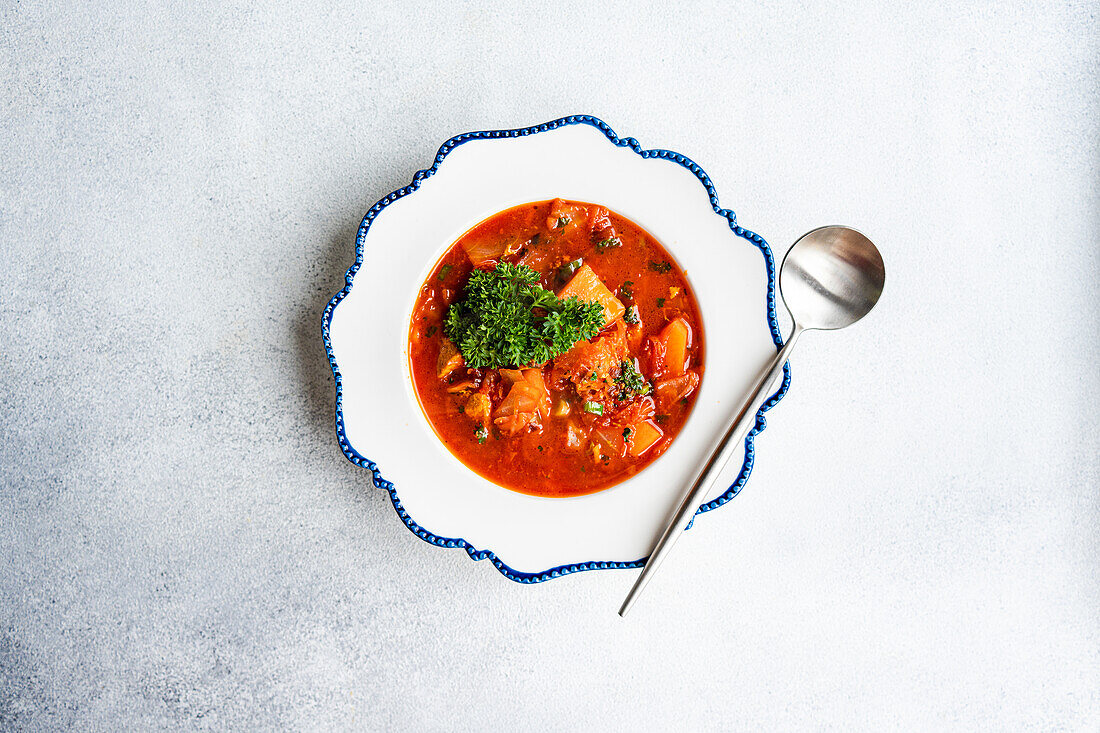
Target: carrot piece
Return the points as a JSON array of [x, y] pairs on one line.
[[586, 285], [644, 435], [677, 337], [450, 358]]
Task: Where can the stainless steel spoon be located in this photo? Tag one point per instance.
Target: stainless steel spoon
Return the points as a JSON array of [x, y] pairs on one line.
[[830, 278]]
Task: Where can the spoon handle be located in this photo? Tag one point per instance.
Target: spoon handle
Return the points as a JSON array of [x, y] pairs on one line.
[[720, 455]]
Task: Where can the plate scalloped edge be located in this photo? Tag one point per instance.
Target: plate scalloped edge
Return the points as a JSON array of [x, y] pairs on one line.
[[628, 142]]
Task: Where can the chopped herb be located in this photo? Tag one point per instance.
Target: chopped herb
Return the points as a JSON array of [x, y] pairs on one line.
[[562, 221], [660, 268], [462, 409], [592, 376], [505, 319], [482, 434], [431, 332], [604, 458], [445, 271], [626, 290], [609, 243], [626, 433], [540, 449], [630, 381], [661, 418], [594, 407], [565, 272], [683, 400], [631, 315], [583, 470], [660, 302]]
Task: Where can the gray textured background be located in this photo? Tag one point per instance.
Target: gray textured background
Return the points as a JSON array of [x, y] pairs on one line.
[[183, 546]]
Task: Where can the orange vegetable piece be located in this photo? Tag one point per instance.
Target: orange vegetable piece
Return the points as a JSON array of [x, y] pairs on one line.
[[586, 285], [643, 437], [677, 338]]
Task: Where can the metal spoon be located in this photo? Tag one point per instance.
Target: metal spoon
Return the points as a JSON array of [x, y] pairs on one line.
[[830, 278]]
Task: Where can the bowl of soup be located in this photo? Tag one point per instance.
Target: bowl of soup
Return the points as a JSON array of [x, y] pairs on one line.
[[539, 340]]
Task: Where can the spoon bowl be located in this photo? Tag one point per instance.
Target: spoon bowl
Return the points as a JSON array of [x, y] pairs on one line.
[[831, 277]]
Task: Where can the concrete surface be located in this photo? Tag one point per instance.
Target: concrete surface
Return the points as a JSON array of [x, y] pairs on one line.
[[182, 546]]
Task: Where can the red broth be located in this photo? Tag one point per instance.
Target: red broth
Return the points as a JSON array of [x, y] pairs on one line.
[[568, 426]]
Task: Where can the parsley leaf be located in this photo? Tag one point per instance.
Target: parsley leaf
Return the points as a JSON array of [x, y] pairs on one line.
[[660, 267], [506, 319]]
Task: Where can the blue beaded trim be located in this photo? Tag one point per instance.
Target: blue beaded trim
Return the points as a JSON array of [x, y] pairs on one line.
[[628, 142]]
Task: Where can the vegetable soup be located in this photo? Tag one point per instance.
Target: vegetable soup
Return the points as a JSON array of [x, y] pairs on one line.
[[556, 348]]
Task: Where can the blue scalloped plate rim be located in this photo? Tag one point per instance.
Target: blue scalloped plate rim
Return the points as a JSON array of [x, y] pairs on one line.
[[627, 142]]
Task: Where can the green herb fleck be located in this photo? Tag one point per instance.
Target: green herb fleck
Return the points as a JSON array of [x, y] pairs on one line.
[[626, 433], [562, 221], [662, 419], [583, 470], [482, 434], [445, 270], [683, 400], [462, 409], [505, 318], [626, 289], [631, 315], [660, 302], [594, 407], [660, 268], [609, 243], [540, 449], [431, 332], [565, 272], [630, 382]]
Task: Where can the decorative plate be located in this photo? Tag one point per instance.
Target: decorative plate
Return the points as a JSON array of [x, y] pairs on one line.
[[365, 329]]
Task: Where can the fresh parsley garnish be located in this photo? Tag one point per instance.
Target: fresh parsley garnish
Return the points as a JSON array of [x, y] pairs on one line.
[[594, 407], [660, 268], [444, 271], [630, 315], [562, 221], [630, 382], [431, 332], [506, 319], [482, 434], [626, 290], [660, 302]]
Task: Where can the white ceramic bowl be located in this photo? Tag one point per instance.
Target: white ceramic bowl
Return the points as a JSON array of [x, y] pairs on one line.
[[365, 330]]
